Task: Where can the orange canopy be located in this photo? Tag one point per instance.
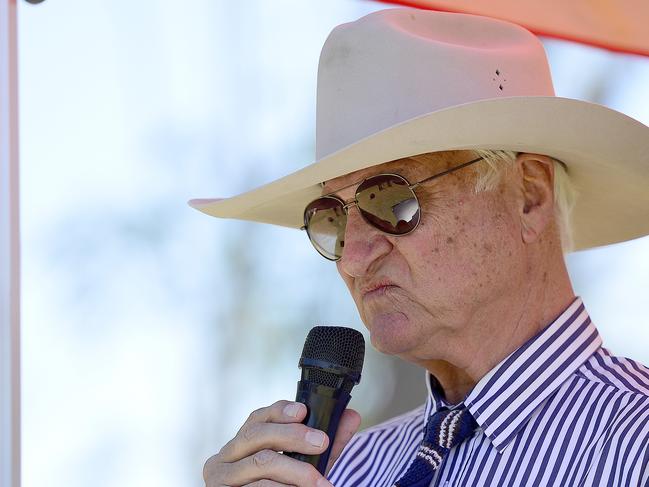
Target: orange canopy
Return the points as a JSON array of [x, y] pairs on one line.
[[617, 25]]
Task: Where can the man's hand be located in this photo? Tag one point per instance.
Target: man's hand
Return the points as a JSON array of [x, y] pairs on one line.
[[252, 458]]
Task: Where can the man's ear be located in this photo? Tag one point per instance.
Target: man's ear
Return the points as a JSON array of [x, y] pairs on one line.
[[536, 178]]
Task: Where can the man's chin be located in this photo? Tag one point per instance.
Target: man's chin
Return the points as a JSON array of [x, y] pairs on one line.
[[391, 333]]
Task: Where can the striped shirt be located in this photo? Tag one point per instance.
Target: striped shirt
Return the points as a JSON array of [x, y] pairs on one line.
[[561, 410]]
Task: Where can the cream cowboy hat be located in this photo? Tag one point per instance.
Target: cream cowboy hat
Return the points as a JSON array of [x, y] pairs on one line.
[[401, 82]]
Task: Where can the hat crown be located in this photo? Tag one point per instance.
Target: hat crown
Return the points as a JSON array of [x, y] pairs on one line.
[[397, 64]]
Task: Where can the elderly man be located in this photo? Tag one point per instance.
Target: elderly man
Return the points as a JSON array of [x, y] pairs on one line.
[[443, 188]]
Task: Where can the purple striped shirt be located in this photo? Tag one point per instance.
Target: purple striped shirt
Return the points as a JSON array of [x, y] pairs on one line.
[[561, 410]]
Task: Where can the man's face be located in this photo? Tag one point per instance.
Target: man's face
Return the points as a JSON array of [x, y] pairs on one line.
[[420, 295]]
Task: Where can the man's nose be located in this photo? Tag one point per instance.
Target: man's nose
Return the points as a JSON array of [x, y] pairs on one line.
[[364, 245]]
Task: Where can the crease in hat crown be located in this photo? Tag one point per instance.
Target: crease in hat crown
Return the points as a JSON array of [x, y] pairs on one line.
[[404, 81], [397, 64]]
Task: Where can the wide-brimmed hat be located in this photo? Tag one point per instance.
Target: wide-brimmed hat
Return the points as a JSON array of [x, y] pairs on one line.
[[400, 82]]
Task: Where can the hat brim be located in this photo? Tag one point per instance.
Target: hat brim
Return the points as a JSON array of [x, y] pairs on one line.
[[605, 151]]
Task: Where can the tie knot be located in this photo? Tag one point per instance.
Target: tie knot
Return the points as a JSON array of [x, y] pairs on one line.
[[447, 428]]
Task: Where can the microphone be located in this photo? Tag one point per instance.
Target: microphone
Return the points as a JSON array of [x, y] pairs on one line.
[[331, 363]]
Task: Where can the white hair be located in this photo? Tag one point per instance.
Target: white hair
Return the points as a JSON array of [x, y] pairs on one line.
[[565, 194]]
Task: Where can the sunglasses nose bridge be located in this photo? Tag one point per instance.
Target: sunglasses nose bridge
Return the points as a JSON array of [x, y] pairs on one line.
[[349, 204]]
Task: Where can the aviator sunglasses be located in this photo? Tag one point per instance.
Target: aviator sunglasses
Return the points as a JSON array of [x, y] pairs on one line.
[[387, 202]]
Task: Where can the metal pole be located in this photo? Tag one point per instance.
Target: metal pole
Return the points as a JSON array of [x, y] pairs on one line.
[[9, 252]]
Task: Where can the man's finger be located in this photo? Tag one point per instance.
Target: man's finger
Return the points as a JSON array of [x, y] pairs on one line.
[[349, 423], [254, 437], [270, 465], [267, 483], [279, 412]]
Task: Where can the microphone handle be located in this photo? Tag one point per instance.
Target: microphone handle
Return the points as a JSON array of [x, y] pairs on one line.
[[325, 406]]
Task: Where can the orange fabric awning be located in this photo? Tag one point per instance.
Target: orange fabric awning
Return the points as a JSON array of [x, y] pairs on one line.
[[617, 25]]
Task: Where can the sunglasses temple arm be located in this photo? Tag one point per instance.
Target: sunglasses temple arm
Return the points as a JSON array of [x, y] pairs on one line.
[[443, 173]]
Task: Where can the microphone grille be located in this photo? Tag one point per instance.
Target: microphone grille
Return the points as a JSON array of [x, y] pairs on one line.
[[338, 345]]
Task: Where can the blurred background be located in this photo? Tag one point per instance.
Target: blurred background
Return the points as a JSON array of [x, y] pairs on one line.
[[150, 330]]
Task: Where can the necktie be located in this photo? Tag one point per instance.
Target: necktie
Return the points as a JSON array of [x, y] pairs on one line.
[[445, 429]]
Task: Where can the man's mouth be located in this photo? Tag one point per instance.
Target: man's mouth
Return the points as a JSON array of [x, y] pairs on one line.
[[376, 289]]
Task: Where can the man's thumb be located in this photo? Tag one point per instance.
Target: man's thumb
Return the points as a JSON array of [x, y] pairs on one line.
[[349, 423]]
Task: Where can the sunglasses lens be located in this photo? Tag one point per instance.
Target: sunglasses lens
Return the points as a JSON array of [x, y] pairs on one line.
[[325, 220], [387, 203]]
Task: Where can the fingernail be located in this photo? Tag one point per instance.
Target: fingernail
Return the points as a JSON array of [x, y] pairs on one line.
[[292, 409], [316, 438], [324, 483]]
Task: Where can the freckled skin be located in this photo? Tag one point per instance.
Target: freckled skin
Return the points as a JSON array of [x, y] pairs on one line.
[[463, 281]]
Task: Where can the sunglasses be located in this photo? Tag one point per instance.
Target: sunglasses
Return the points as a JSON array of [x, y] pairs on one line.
[[387, 202]]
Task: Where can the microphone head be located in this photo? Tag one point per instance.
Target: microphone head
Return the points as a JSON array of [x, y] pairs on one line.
[[331, 352]]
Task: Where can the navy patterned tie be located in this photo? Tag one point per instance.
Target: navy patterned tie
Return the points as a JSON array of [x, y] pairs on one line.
[[445, 429]]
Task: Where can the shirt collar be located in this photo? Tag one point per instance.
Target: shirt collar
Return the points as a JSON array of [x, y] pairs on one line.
[[505, 399]]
